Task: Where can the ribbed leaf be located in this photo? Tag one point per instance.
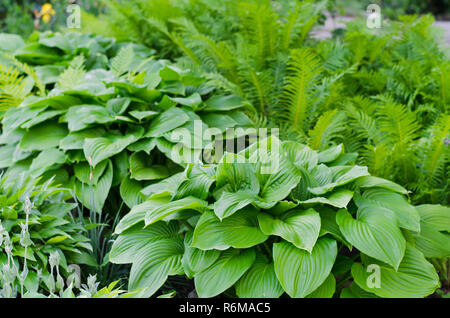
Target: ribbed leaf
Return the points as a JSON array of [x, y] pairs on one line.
[[195, 260], [300, 227], [300, 272], [406, 214], [94, 196], [239, 231], [374, 233], [98, 149], [415, 277], [126, 247], [188, 203], [326, 290], [138, 212], [154, 263], [259, 281], [43, 136], [226, 271]]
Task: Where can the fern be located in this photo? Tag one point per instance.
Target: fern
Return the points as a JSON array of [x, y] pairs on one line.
[[327, 128], [121, 62], [13, 88], [303, 71], [73, 75]]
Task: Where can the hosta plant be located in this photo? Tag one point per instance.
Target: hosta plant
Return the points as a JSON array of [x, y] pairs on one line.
[[38, 232], [280, 218], [108, 117]]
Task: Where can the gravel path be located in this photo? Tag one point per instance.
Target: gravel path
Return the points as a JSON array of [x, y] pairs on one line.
[[324, 31]]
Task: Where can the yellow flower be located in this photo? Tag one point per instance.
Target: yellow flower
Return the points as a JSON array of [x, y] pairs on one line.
[[47, 12]]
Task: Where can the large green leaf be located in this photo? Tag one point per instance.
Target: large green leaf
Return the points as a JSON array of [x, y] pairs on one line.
[[371, 181], [126, 247], [93, 196], [415, 277], [167, 121], [406, 214], [138, 212], [231, 202], [98, 149], [326, 290], [375, 233], [226, 271], [329, 178], [223, 103], [197, 181], [300, 227], [300, 272], [259, 281], [75, 140], [195, 260], [141, 168], [438, 216], [154, 263], [338, 199], [188, 203], [239, 231], [43, 136], [130, 192], [80, 117]]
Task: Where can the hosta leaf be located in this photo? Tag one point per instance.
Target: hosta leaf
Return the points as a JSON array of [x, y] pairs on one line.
[[43, 136], [300, 155], [87, 174], [126, 247], [138, 212], [326, 290], [230, 202], [195, 260], [340, 175], [239, 231], [192, 101], [93, 196], [431, 242], [130, 192], [41, 118], [169, 120], [197, 182], [75, 140], [168, 186], [188, 203], [259, 281], [223, 103], [438, 216], [415, 277], [300, 227], [46, 159], [371, 181], [154, 263], [406, 214], [330, 154], [276, 185], [98, 149], [141, 168], [374, 233], [80, 117], [354, 291], [338, 199], [226, 271], [300, 272]]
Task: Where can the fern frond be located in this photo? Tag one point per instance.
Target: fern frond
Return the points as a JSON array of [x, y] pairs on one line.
[[328, 127], [73, 75], [12, 87], [303, 71], [436, 151], [25, 68], [121, 62]]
